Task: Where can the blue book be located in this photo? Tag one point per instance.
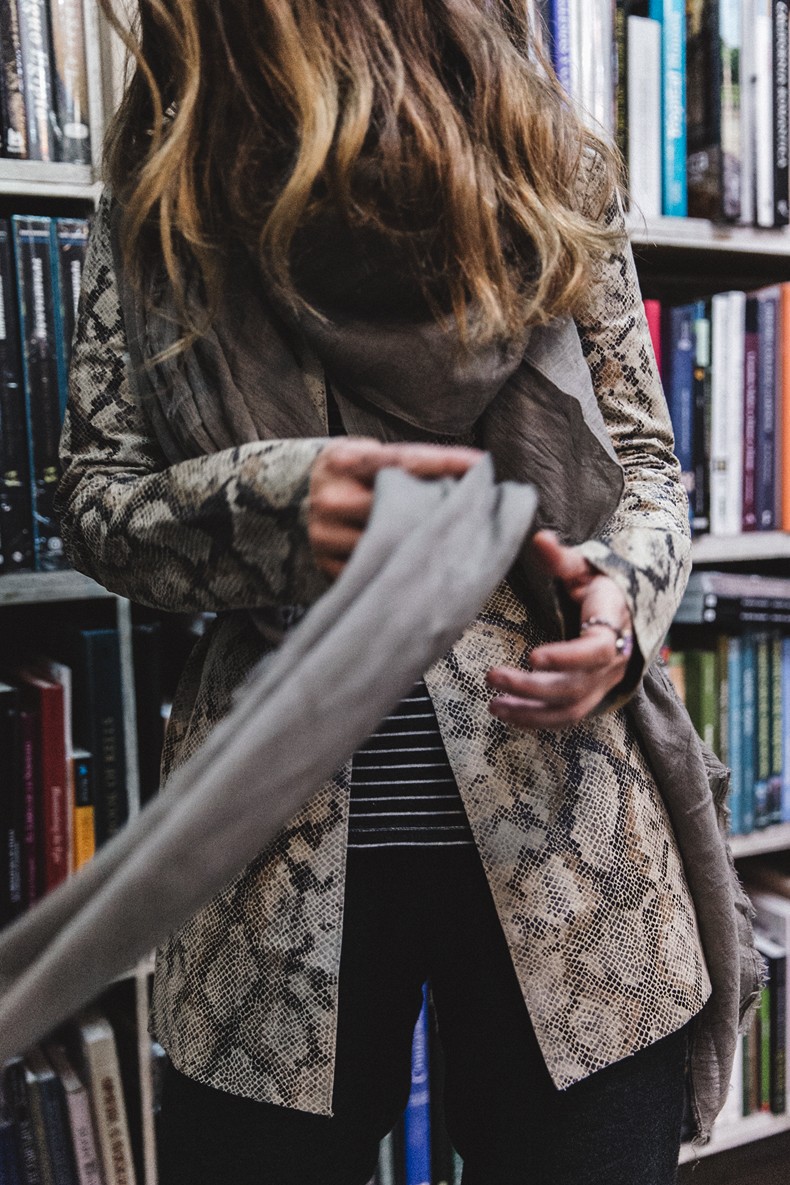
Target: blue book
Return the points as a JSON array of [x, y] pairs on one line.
[[749, 717], [786, 730], [38, 297], [678, 352], [417, 1117], [672, 16], [560, 37], [735, 731]]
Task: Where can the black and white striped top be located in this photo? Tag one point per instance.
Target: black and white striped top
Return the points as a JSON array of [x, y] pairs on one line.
[[403, 793]]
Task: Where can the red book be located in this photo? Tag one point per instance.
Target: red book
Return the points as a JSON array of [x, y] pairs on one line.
[[653, 314], [47, 699], [750, 385]]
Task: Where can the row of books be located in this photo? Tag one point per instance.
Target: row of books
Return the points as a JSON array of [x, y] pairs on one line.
[[695, 92], [44, 81], [737, 692], [726, 375], [63, 761], [68, 1109], [418, 1150], [41, 261]]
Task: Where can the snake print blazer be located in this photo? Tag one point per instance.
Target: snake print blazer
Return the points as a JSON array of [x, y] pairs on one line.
[[570, 825]]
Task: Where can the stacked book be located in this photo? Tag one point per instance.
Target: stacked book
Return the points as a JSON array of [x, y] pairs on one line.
[[41, 261], [723, 364], [44, 81], [695, 92]]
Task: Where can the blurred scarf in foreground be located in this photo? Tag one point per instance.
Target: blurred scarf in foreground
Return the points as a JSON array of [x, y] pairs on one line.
[[432, 554]]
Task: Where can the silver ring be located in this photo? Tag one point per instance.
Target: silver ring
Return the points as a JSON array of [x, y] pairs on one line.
[[623, 640]]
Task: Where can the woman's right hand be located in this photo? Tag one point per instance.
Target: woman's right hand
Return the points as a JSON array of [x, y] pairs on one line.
[[341, 489]]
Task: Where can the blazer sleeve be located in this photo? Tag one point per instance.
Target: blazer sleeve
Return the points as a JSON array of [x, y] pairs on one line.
[[217, 532], [646, 545]]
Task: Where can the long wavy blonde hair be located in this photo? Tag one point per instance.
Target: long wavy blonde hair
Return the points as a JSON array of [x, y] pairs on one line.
[[424, 121]]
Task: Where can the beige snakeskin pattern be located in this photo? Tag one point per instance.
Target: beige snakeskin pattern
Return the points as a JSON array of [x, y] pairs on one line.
[[571, 828]]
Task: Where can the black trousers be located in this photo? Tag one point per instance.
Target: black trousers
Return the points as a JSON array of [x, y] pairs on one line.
[[413, 915]]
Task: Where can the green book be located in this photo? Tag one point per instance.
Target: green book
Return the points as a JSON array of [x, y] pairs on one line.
[[775, 785], [702, 699]]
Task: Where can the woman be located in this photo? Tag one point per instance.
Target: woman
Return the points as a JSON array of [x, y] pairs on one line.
[[381, 219]]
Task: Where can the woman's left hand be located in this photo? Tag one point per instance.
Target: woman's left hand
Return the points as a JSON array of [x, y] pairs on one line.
[[569, 679]]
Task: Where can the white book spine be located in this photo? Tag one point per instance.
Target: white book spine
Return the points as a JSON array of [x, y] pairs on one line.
[[726, 423], [109, 1109], [736, 307], [764, 113], [575, 11], [644, 115], [748, 105]]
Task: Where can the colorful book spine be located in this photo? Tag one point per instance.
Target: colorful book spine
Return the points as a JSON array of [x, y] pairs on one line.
[[47, 701], [672, 15], [38, 299], [735, 732], [700, 510], [784, 405], [786, 730], [560, 40], [653, 318], [417, 1117], [767, 478], [749, 724], [16, 514], [749, 466], [777, 725], [678, 350], [14, 116], [28, 727], [781, 112], [84, 807], [762, 780]]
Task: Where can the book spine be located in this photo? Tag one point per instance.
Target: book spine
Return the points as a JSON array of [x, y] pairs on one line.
[[109, 1109], [781, 113], [728, 56], [19, 1107], [703, 109], [723, 698], [35, 1102], [10, 801], [747, 93], [749, 742], [767, 391], [16, 514], [653, 317], [736, 316], [750, 362], [764, 112], [71, 248], [98, 724], [560, 31], [418, 1109], [735, 732], [719, 484], [28, 722], [84, 808], [645, 144], [54, 807], [766, 1043], [762, 810], [777, 724], [37, 300], [672, 14], [14, 116], [678, 348], [82, 1137], [70, 80], [786, 730], [700, 520], [37, 72], [784, 404]]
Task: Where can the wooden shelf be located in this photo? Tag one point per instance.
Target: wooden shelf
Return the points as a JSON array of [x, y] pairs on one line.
[[35, 178], [757, 843], [731, 549], [697, 234], [733, 1135], [33, 588]]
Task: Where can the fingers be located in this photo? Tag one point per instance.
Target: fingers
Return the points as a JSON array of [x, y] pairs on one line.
[[340, 499], [560, 562]]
